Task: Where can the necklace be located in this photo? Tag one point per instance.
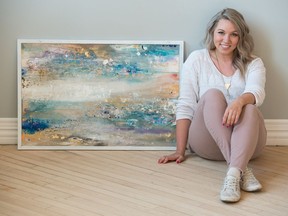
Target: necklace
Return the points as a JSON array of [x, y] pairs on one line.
[[226, 80]]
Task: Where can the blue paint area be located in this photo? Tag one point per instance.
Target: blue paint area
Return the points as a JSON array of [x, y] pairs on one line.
[[163, 51], [40, 106], [23, 71], [145, 121], [31, 126], [153, 131], [124, 69]]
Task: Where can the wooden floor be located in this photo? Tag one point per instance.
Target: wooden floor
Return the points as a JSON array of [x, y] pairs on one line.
[[131, 183]]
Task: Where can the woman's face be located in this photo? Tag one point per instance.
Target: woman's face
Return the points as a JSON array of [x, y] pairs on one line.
[[225, 37]]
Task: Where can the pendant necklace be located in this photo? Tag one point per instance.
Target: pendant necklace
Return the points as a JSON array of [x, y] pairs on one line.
[[226, 80], [227, 83]]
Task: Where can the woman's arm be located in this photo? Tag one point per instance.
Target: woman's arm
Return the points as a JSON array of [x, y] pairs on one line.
[[186, 105]]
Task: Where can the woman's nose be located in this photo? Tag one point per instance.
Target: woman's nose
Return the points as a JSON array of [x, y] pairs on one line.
[[226, 38]]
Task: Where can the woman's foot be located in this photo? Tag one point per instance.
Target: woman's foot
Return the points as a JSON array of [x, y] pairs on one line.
[[248, 181], [231, 189]]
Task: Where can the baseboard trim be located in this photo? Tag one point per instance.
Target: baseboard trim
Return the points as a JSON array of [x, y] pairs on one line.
[[8, 131], [277, 131]]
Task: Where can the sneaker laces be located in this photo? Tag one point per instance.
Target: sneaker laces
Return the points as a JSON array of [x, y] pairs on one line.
[[231, 189], [249, 176]]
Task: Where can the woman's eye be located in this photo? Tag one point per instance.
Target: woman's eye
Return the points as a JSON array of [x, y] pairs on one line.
[[234, 34], [220, 32]]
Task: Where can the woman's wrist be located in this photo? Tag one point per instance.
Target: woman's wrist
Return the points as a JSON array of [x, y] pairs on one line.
[[181, 151]]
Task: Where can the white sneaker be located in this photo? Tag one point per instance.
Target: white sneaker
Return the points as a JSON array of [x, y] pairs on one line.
[[231, 189], [248, 181]]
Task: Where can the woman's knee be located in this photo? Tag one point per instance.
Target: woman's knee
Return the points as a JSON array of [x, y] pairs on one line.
[[251, 113], [251, 110], [214, 93]]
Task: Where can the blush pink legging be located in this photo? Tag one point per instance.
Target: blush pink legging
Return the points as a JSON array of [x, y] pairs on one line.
[[236, 144]]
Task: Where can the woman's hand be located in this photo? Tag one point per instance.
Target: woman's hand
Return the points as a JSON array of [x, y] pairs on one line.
[[234, 110], [182, 128], [232, 113], [179, 158]]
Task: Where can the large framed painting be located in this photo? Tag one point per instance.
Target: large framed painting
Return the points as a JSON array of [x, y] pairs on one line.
[[97, 95]]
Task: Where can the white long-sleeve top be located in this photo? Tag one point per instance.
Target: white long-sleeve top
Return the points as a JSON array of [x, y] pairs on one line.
[[199, 74]]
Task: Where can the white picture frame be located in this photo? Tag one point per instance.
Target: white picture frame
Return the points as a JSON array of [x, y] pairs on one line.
[[97, 95]]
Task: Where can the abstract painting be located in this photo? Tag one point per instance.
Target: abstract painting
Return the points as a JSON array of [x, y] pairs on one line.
[[97, 95]]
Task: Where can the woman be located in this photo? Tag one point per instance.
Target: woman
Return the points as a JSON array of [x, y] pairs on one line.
[[217, 115]]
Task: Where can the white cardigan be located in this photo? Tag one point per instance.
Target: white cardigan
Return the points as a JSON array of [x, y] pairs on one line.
[[200, 74]]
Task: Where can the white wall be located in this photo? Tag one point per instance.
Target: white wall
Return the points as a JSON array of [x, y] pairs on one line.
[[142, 20]]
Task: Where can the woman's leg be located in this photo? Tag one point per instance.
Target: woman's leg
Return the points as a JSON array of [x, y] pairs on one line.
[[237, 145], [208, 138], [247, 141], [248, 137]]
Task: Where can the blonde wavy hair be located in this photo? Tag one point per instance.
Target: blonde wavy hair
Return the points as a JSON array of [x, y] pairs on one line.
[[242, 55]]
